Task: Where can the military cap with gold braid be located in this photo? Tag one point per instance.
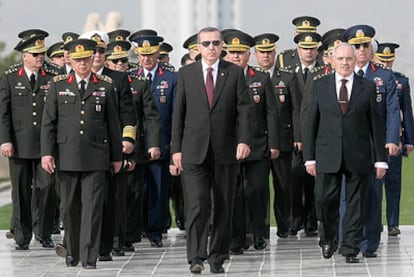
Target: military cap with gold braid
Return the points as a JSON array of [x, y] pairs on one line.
[[359, 34], [306, 24], [238, 41], [34, 44], [118, 35], [148, 45], [307, 40], [100, 37], [266, 42], [386, 51], [165, 48], [80, 48], [118, 50], [55, 49], [69, 36], [191, 42], [32, 32], [144, 32], [332, 38]]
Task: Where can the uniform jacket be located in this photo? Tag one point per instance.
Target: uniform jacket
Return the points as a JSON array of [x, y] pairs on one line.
[[263, 116], [196, 126], [82, 133], [148, 131], [21, 110], [335, 139], [163, 88], [404, 96], [285, 85]]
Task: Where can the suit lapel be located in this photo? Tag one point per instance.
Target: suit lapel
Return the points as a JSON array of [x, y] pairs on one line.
[[333, 97], [355, 92], [220, 81], [199, 79]]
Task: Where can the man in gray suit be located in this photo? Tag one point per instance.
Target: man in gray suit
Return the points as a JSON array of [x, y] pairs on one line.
[[210, 135]]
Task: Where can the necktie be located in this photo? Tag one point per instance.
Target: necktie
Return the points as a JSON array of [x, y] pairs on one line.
[[305, 74], [149, 78], [82, 87], [210, 86], [343, 95], [361, 73], [32, 80]]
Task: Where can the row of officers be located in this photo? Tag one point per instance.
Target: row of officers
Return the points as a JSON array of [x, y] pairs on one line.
[[88, 134]]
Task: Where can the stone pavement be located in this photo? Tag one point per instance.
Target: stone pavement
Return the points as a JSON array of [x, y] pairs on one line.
[[294, 256]]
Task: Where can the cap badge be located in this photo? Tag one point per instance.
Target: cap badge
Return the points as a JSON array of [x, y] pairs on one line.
[[79, 48], [386, 51], [146, 43], [119, 38], [359, 34], [69, 38], [265, 41], [306, 23], [39, 43], [97, 38], [308, 39], [235, 41], [117, 49]]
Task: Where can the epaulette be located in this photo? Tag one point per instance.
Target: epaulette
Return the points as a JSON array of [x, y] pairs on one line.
[[51, 70], [167, 66], [286, 70], [61, 77], [132, 67], [137, 77], [105, 78], [11, 70], [319, 76], [317, 68], [259, 69]]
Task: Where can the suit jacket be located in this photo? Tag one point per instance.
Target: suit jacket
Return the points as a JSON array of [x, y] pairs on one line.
[[285, 85], [263, 117], [21, 110], [148, 131], [404, 96], [81, 132], [196, 127], [335, 139]]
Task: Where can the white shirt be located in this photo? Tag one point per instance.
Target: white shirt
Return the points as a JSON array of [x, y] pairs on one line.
[[78, 79], [214, 72], [338, 82], [153, 72]]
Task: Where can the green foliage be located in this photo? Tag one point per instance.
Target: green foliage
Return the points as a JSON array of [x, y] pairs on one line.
[[7, 59], [5, 216]]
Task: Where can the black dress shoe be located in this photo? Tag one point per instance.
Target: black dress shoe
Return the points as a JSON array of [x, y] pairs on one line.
[[327, 250], [71, 261], [282, 234], [21, 246], [156, 243], [105, 258], [180, 224], [216, 268], [236, 251], [368, 254], [259, 243], [89, 265], [196, 266], [60, 250], [351, 260], [47, 243], [129, 247], [38, 238], [118, 252]]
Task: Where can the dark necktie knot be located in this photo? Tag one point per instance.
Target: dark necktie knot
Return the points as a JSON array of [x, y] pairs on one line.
[[361, 73], [82, 87], [32, 80], [305, 73]]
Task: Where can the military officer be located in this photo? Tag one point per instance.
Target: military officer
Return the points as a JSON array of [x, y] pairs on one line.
[[386, 55], [165, 50], [285, 85], [55, 52], [128, 224], [80, 123], [23, 89], [360, 36], [290, 58], [264, 144], [191, 45], [163, 83], [67, 37]]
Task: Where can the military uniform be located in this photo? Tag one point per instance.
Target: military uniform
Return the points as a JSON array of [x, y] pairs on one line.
[[77, 128], [21, 109]]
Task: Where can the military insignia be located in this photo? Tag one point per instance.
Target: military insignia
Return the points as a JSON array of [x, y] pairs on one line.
[[100, 93], [256, 98], [46, 86], [163, 99], [399, 86], [146, 44], [66, 93], [20, 72], [98, 108], [281, 85], [251, 72], [306, 23], [359, 33], [255, 85], [117, 49], [97, 38], [79, 48], [308, 39], [160, 71], [163, 85], [134, 91], [282, 98], [297, 69], [379, 97], [386, 51], [19, 86], [266, 41], [235, 41], [378, 81]]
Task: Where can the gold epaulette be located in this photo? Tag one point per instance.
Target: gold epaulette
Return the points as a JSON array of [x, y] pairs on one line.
[[137, 77], [61, 77], [317, 68], [167, 66], [130, 132], [319, 76], [286, 69], [11, 70], [105, 78]]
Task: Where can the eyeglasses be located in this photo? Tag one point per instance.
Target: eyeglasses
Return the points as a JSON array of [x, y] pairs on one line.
[[58, 56], [100, 50], [365, 45], [123, 60], [206, 43], [37, 54]]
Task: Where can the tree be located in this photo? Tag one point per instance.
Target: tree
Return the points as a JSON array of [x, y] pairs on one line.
[[8, 59]]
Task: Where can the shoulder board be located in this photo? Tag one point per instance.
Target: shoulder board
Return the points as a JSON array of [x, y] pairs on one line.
[[258, 69], [286, 70], [16, 65], [53, 71], [11, 70], [61, 77], [105, 78], [399, 74], [319, 76], [134, 76], [167, 66], [317, 68]]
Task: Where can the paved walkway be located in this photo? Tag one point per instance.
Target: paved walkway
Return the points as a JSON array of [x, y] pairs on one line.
[[295, 256]]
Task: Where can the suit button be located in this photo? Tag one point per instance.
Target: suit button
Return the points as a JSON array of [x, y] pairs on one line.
[[83, 102], [81, 132], [33, 94], [34, 113], [34, 104], [82, 122], [34, 123], [82, 112]]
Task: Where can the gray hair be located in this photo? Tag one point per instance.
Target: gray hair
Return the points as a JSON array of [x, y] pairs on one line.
[[344, 44]]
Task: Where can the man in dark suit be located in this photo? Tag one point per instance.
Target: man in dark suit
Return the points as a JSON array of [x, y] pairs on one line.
[[343, 137], [80, 123], [210, 134]]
